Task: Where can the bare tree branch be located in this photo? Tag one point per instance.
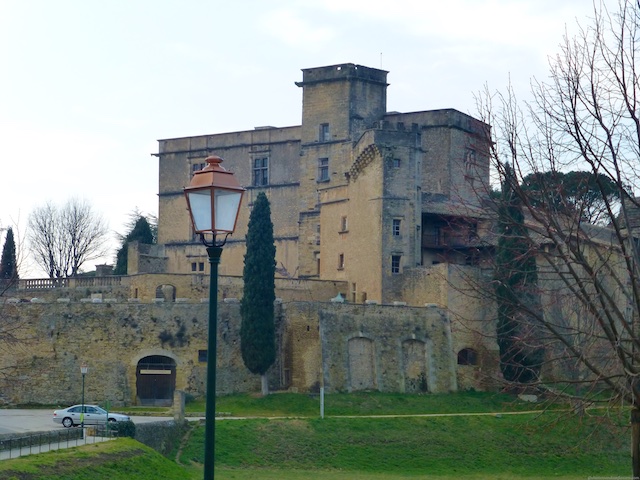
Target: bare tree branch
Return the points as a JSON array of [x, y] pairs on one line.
[[63, 239]]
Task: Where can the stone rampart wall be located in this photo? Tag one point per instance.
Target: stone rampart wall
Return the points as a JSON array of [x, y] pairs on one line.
[[347, 347]]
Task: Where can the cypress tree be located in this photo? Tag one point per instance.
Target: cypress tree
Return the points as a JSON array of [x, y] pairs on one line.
[[516, 284], [257, 331], [8, 262]]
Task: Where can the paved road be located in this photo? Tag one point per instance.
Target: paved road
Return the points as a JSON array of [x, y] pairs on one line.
[[21, 421]]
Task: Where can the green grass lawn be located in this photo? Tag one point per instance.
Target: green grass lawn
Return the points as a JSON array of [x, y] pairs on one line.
[[370, 403], [528, 446], [544, 445], [122, 459]]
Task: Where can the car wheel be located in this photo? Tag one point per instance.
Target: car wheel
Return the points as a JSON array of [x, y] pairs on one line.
[[67, 422]]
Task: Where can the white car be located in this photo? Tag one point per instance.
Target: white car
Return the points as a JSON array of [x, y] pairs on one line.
[[93, 414]]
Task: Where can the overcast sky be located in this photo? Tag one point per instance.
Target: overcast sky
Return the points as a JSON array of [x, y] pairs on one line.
[[87, 87]]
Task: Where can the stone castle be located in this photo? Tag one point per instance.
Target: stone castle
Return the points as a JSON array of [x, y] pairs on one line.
[[377, 215]]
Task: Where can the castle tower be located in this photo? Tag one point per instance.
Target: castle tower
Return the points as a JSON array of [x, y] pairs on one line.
[[341, 101]]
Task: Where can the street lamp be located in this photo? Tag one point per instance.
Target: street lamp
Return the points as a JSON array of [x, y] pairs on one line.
[[83, 369], [213, 200]]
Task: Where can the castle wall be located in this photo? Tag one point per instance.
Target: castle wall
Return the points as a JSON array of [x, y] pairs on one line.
[[364, 348], [180, 157], [408, 348], [362, 244]]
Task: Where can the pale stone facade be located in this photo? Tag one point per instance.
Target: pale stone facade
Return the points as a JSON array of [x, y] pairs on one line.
[[358, 195]]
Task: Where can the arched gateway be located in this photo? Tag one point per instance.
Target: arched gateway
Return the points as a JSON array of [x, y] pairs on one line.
[[155, 380]]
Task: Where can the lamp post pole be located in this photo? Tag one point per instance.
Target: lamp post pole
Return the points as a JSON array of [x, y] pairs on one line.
[[83, 369], [213, 201], [214, 253]]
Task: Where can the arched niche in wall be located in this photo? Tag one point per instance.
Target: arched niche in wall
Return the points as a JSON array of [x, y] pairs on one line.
[[414, 366], [362, 371], [166, 292], [467, 356]]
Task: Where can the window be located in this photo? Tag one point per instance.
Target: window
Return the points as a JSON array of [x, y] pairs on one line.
[[199, 266], [324, 132], [396, 163], [195, 167], [354, 292], [470, 160], [323, 169], [202, 355], [344, 226], [341, 261], [467, 356], [317, 234], [396, 227], [260, 171], [395, 263]]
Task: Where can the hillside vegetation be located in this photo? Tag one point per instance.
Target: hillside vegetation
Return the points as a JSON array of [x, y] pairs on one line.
[[494, 446]]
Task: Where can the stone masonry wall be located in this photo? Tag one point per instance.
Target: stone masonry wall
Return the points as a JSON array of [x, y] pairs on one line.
[[377, 343], [408, 348]]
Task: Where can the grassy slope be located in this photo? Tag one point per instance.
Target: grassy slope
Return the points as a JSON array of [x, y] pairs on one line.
[[512, 445], [532, 446], [370, 403], [123, 459]]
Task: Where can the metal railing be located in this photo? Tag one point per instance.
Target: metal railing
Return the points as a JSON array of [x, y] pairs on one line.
[[40, 442]]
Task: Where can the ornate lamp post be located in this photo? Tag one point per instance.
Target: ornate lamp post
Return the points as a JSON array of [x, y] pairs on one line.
[[83, 370], [213, 200]]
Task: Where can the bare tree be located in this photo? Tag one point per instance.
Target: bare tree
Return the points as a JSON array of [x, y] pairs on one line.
[[585, 117], [63, 239]]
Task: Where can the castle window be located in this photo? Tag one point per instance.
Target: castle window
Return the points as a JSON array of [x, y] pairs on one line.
[[324, 132], [317, 234], [354, 292], [396, 163], [395, 263], [202, 356], [199, 266], [467, 356], [395, 228], [195, 167], [323, 169], [344, 226], [470, 159], [260, 171], [341, 261]]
